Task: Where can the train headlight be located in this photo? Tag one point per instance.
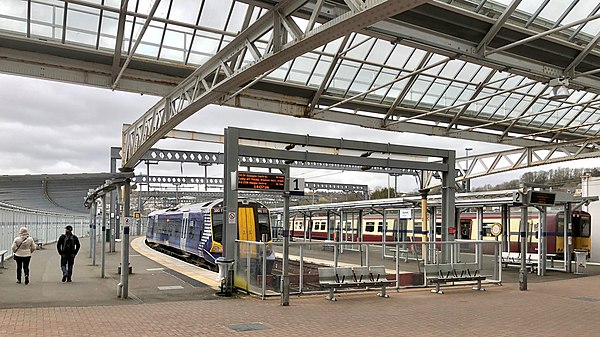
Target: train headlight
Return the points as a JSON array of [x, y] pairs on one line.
[[216, 248]]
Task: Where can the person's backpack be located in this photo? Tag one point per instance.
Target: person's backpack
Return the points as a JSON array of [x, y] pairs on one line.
[[69, 244]]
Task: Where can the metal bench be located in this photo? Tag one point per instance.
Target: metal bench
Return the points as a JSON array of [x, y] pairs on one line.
[[2, 253], [39, 243], [452, 273], [357, 277]]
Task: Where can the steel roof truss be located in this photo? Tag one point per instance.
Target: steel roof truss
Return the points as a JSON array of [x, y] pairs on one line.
[[497, 25], [137, 43], [138, 139]]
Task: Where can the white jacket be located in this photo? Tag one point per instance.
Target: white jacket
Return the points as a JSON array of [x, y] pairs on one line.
[[26, 248]]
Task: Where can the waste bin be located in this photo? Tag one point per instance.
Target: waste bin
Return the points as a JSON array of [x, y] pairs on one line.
[[225, 275], [580, 260]]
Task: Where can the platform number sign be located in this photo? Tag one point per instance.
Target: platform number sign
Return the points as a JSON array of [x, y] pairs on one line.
[[517, 198], [297, 186]]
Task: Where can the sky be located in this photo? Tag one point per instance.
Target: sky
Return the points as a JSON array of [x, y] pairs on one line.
[[48, 127], [52, 127]]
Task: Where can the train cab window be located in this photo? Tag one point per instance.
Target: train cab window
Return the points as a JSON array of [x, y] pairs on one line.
[[217, 226], [370, 227], [438, 228], [581, 225], [263, 225]]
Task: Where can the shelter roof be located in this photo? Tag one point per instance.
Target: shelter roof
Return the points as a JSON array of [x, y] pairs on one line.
[[53, 193]]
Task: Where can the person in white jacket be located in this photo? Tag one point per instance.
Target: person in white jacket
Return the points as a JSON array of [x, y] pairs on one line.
[[22, 247]]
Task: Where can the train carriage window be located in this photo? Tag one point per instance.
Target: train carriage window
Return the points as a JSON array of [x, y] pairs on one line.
[[418, 228], [487, 229], [191, 229], [380, 227], [370, 226], [438, 228], [323, 225], [560, 227]]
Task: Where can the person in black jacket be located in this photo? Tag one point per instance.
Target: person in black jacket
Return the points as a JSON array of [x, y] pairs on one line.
[[68, 246]]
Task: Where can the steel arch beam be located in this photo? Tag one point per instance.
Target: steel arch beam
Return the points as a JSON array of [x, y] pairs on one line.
[[219, 76]]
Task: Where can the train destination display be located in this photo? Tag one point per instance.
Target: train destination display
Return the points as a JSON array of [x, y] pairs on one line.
[[260, 181], [541, 198]]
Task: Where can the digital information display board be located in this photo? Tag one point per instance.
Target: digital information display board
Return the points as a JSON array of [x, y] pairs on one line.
[[260, 181], [541, 198]]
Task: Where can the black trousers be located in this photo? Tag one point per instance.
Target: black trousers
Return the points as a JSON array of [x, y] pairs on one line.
[[22, 263], [66, 264]]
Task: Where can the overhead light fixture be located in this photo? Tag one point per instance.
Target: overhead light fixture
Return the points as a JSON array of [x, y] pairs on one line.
[[559, 88]]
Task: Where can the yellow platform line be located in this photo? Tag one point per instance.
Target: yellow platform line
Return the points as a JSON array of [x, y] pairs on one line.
[[201, 275]]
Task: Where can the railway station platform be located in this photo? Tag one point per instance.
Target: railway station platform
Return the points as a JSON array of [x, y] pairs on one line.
[[169, 298]]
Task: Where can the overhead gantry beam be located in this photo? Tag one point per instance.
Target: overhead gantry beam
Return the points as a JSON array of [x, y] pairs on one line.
[[222, 74], [504, 161]]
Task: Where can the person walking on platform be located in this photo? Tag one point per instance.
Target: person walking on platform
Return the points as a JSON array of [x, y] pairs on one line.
[[22, 247], [67, 246]]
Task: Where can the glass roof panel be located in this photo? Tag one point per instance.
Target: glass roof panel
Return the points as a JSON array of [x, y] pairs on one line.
[[437, 89], [237, 15], [174, 44], [204, 46], [82, 24], [320, 70], [108, 31], [405, 57], [365, 77], [344, 75], [302, 68], [381, 52], [208, 17], [360, 47], [185, 11]]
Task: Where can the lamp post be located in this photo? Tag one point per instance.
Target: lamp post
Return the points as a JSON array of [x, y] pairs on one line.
[[467, 181]]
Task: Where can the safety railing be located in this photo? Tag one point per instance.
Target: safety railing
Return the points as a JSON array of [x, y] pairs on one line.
[[258, 271], [44, 227]]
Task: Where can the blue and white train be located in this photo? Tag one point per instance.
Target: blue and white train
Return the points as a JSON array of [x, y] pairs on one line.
[[198, 229]]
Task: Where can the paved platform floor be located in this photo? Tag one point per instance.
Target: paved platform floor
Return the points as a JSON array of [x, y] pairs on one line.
[[562, 305]]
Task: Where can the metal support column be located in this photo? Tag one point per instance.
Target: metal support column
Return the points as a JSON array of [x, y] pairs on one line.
[[93, 234], [505, 218], [230, 204], [123, 286], [523, 237], [448, 203], [113, 209], [542, 242], [285, 268], [90, 229], [103, 237], [478, 248], [568, 249], [424, 228]]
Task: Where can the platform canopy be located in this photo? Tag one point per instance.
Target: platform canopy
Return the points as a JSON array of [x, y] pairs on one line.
[[53, 193]]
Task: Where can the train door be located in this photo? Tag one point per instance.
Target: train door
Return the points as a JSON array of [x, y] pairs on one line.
[[465, 229], [247, 230], [185, 220], [581, 231]]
